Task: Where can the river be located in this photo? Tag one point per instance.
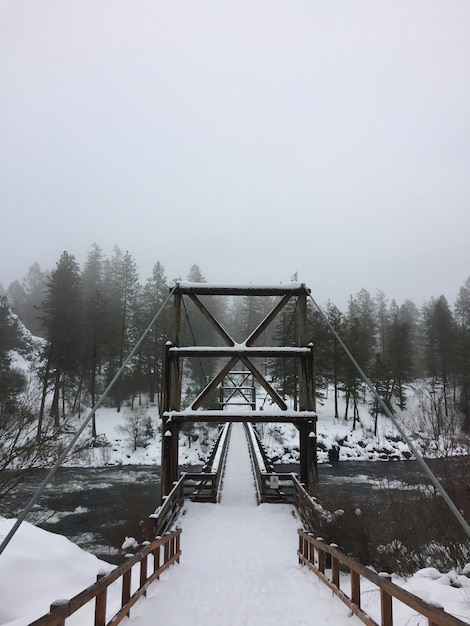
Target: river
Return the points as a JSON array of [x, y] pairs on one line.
[[97, 508]]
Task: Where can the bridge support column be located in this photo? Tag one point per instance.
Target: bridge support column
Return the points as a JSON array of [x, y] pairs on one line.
[[308, 428], [169, 466], [170, 430], [308, 454]]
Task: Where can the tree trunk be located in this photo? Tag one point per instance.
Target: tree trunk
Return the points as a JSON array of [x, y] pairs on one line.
[[54, 412]]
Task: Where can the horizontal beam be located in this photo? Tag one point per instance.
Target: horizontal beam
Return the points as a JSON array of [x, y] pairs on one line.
[[216, 289], [239, 350], [288, 416]]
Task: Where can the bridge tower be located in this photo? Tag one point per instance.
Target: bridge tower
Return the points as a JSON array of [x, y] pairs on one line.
[[238, 362]]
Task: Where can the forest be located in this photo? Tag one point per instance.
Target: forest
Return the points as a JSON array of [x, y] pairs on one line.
[[89, 318]]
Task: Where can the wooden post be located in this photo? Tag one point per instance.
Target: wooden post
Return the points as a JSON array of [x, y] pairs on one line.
[[356, 588], [304, 432], [126, 589], [170, 402], [100, 604], [386, 602], [143, 572], [156, 558], [321, 558], [166, 549], [59, 609], [178, 543], [307, 429], [335, 569], [311, 549]]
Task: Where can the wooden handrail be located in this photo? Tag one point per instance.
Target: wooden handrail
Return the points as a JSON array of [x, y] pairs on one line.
[[312, 553], [61, 610], [206, 489]]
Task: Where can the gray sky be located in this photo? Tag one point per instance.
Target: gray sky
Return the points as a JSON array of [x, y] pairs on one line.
[[256, 138]]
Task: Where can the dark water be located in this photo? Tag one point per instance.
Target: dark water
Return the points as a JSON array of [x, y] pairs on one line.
[[97, 508], [364, 480]]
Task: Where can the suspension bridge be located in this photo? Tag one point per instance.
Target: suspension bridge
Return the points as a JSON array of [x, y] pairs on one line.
[[239, 534]]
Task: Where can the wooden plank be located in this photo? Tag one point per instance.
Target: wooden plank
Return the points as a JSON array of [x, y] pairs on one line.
[[239, 350], [185, 288]]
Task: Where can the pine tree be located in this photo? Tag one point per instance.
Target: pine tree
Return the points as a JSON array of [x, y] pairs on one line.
[[440, 340], [11, 380], [360, 329], [329, 354], [128, 293], [61, 319], [93, 323], [154, 295], [25, 298], [462, 318]]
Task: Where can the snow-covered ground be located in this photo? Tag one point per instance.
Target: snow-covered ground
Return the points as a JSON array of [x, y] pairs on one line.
[[281, 440], [238, 566]]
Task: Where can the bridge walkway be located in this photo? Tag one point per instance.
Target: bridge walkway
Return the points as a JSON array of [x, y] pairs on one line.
[[239, 564]]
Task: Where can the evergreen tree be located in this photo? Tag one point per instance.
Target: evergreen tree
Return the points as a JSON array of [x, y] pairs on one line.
[[61, 319], [153, 296], [93, 323], [285, 371], [11, 381], [25, 298], [462, 318], [440, 340], [329, 355], [127, 292], [360, 330]]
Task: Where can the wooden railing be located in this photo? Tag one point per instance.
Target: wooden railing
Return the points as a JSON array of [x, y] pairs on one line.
[[316, 554], [201, 486], [284, 487], [164, 551]]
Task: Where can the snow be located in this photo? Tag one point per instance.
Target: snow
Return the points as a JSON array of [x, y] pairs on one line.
[[238, 566], [239, 563], [276, 288], [39, 567], [281, 440]]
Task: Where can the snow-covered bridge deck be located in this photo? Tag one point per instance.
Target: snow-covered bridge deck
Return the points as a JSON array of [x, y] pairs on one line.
[[239, 564]]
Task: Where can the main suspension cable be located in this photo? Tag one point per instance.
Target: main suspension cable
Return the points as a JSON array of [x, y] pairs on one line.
[[74, 439], [425, 467]]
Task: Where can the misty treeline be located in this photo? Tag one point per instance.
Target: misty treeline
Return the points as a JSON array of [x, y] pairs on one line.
[[91, 317]]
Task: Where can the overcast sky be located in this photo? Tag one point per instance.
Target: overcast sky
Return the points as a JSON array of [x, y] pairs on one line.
[[256, 138]]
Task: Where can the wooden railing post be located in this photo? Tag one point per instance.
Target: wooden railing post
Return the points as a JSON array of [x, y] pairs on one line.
[[386, 602], [126, 588], [313, 555], [59, 610], [100, 603], [356, 588], [156, 558], [143, 572], [178, 543], [334, 568], [166, 548], [301, 546], [321, 558]]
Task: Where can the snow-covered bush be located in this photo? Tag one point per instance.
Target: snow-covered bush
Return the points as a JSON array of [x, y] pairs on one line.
[[138, 427]]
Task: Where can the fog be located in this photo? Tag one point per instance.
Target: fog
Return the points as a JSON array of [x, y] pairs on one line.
[[258, 139]]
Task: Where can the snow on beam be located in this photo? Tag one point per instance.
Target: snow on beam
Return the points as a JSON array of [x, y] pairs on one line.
[[240, 350], [239, 416], [220, 289]]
